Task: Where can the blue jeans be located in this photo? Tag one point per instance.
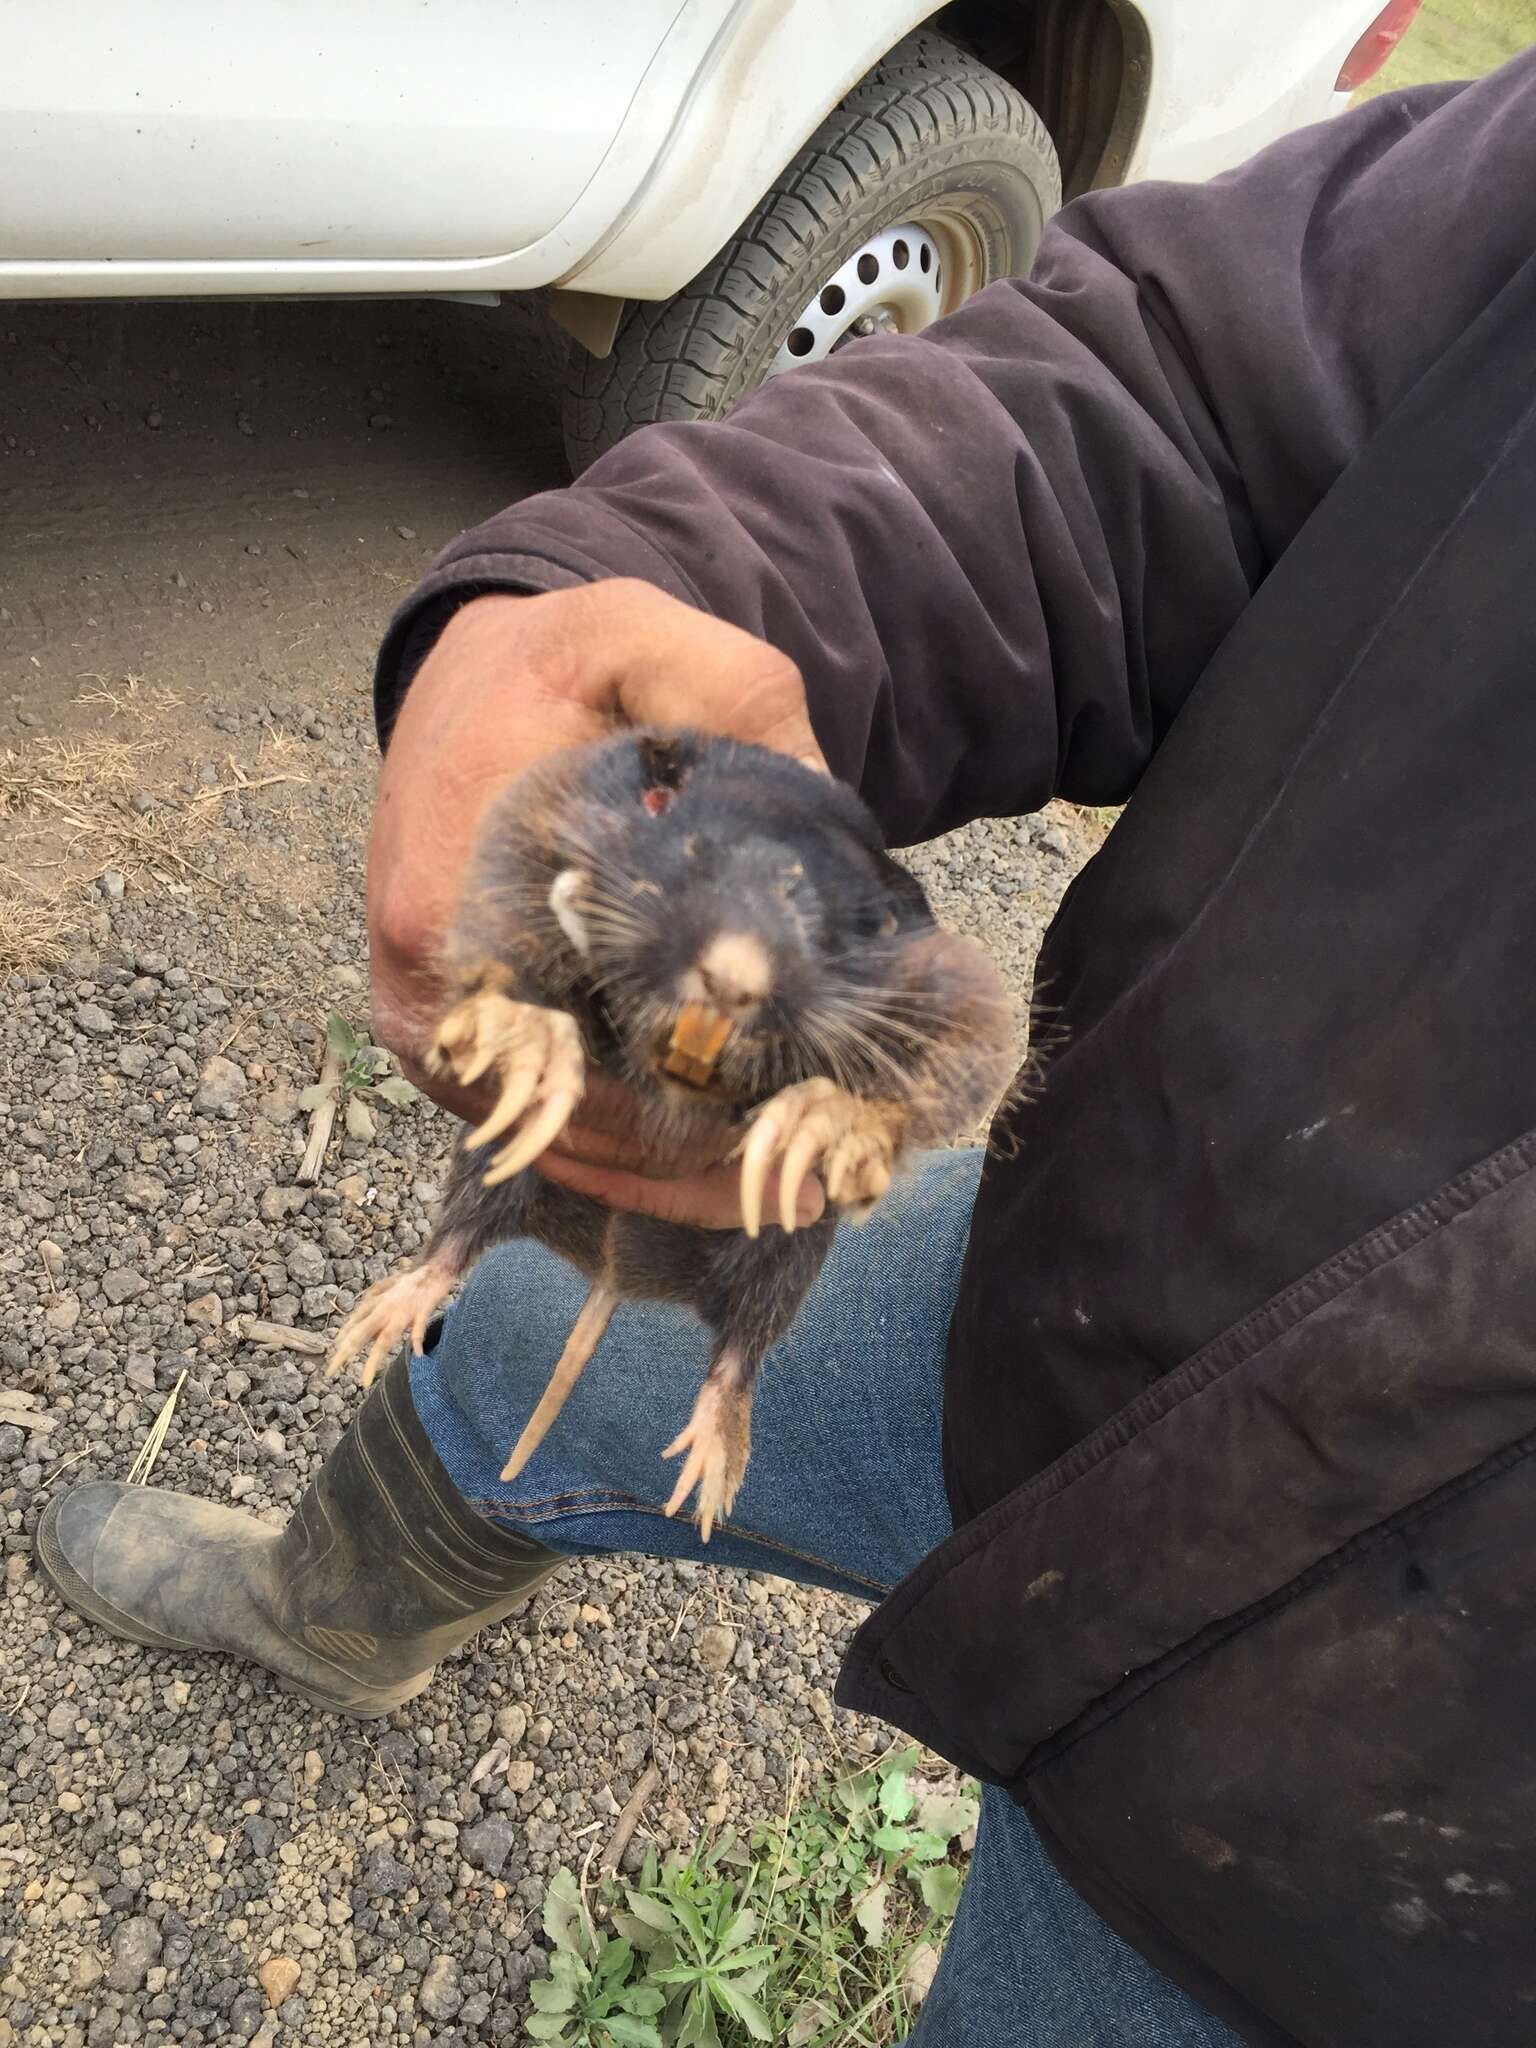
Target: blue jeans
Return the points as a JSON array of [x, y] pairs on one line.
[[844, 1489]]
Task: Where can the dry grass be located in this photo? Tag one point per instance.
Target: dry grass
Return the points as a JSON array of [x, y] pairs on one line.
[[66, 818], [33, 928], [278, 743], [239, 782], [1097, 821], [128, 696], [149, 1450], [75, 793], [56, 775]]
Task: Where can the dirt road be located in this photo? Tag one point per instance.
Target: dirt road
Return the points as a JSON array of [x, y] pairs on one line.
[[220, 489]]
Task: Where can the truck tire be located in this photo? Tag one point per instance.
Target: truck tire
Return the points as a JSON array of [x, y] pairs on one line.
[[930, 179]]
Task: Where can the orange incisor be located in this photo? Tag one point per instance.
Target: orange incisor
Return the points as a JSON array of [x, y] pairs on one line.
[[697, 1041]]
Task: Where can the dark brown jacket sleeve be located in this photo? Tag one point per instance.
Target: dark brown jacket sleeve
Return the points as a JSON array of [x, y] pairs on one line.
[[1002, 552]]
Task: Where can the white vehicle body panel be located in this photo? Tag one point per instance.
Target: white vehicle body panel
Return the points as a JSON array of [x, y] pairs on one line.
[[499, 145], [1227, 77], [178, 132]]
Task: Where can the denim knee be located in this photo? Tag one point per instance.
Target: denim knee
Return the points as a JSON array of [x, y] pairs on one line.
[[508, 1326]]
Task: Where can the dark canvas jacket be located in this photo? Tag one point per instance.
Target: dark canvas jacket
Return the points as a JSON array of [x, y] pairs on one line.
[[1232, 506]]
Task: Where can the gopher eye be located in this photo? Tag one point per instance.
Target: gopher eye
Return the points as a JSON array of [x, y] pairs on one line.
[[877, 923]]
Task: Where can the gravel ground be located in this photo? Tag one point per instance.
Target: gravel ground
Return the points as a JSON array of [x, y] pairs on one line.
[[185, 1852]]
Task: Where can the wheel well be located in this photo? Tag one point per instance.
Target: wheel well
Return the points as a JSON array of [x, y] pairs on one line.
[[1085, 66]]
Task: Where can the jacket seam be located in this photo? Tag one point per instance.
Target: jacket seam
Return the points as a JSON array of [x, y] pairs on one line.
[[638, 535], [511, 566], [1316, 1574], [1199, 1373]]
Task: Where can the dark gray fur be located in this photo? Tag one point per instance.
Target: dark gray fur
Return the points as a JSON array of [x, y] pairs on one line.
[[850, 934]]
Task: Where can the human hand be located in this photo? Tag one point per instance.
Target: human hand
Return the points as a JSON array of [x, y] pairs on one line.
[[510, 680]]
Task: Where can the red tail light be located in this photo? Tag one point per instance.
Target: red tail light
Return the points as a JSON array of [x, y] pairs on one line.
[[1377, 44]]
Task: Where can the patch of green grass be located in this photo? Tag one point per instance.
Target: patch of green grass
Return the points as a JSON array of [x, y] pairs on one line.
[[1457, 39], [814, 1934]]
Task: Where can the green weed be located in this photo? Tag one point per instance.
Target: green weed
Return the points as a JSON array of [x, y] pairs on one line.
[[366, 1070], [811, 1934]]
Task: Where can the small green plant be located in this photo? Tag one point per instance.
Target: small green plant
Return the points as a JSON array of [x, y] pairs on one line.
[[366, 1070], [810, 1935], [880, 1822], [590, 1998], [694, 1931]]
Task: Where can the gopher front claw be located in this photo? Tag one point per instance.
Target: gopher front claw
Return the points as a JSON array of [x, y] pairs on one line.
[[851, 1142], [390, 1308], [537, 1057]]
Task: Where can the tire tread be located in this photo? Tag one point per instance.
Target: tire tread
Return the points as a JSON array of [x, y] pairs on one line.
[[676, 358]]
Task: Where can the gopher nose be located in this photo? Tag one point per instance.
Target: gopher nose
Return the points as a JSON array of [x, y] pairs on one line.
[[733, 972]]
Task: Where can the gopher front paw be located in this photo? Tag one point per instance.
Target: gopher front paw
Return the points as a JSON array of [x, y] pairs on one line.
[[818, 1126], [536, 1056]]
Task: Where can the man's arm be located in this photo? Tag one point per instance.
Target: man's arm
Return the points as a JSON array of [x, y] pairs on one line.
[[1001, 553]]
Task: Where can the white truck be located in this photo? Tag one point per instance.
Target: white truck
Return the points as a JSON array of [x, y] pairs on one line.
[[710, 191]]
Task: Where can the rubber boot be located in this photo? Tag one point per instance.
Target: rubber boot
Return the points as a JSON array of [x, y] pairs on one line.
[[381, 1572]]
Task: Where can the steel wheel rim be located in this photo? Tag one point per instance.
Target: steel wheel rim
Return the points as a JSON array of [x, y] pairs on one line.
[[893, 283], [956, 227]]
